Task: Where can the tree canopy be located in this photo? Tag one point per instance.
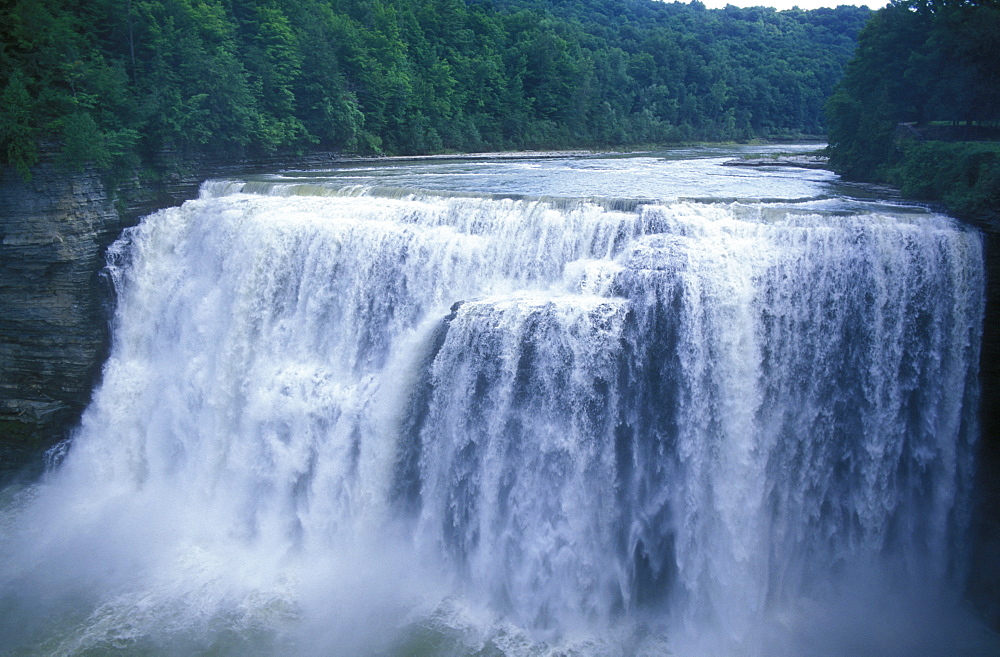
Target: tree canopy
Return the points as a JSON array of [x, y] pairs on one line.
[[919, 64], [114, 81]]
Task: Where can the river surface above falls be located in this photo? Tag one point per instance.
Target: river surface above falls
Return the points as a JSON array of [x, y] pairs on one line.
[[683, 173], [506, 406]]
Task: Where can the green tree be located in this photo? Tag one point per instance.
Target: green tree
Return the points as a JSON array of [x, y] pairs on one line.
[[917, 62], [17, 133], [115, 79], [272, 54]]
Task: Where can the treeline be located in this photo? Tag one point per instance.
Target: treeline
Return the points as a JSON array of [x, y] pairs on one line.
[[922, 86], [114, 82]]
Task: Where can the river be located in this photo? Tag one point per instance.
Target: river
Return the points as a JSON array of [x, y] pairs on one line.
[[511, 406]]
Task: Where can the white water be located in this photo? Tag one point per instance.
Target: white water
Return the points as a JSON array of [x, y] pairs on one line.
[[350, 424]]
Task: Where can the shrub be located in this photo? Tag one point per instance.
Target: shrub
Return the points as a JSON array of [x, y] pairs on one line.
[[965, 176]]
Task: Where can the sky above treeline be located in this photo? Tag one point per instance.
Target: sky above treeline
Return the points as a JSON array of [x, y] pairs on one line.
[[788, 4]]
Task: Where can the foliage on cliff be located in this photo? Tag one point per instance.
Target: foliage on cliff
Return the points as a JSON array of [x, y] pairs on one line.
[[113, 80], [965, 176], [924, 68]]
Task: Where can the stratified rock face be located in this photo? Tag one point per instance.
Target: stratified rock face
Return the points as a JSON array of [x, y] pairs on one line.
[[53, 331]]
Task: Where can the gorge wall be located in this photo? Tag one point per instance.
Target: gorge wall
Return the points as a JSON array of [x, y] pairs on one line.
[[984, 581], [53, 232]]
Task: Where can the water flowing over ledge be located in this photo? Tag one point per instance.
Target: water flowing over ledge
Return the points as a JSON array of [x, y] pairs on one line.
[[360, 422]]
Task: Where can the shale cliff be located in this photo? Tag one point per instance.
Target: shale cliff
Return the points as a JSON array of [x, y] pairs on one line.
[[53, 330], [54, 231]]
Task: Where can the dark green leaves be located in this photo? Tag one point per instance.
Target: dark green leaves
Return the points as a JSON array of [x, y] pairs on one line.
[[114, 79], [925, 79]]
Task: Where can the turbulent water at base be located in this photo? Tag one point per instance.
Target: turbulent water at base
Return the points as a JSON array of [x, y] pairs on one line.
[[484, 408]]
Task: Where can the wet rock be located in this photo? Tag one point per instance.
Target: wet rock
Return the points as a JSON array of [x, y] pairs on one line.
[[53, 232], [781, 160]]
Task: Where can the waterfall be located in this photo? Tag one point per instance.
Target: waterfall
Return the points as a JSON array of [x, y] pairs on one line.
[[330, 418]]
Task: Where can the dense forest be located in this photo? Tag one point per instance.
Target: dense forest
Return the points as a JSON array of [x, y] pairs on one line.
[[114, 82], [919, 105]]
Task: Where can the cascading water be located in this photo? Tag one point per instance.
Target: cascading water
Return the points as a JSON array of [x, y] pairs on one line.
[[342, 422]]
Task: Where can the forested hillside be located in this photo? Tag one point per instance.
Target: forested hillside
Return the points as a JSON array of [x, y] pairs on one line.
[[116, 81], [919, 105]]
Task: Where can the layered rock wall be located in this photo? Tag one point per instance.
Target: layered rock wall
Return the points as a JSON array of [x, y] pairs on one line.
[[53, 330]]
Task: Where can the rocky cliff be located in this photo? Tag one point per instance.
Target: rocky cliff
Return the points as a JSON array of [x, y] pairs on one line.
[[984, 579], [53, 331]]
